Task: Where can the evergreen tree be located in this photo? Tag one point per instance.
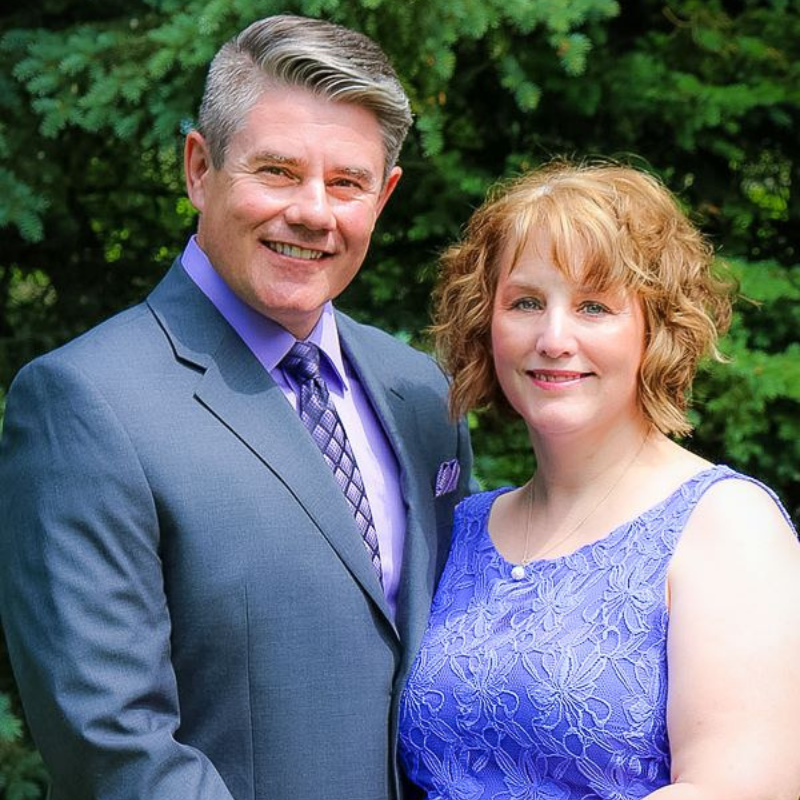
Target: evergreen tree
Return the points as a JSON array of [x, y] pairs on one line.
[[95, 96]]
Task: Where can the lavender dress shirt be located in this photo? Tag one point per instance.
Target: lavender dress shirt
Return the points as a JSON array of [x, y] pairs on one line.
[[269, 343]]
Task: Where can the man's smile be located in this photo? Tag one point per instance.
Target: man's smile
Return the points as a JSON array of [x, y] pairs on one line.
[[294, 251]]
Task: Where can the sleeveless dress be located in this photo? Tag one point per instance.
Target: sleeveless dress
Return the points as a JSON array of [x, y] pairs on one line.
[[552, 686]]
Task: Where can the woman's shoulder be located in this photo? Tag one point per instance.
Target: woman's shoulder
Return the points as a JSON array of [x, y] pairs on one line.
[[480, 503], [740, 520], [740, 501], [712, 494]]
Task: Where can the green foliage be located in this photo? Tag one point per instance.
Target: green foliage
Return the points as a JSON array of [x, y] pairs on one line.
[[748, 411], [10, 726], [94, 96], [22, 775]]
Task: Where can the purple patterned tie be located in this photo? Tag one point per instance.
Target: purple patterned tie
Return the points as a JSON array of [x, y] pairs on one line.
[[319, 416]]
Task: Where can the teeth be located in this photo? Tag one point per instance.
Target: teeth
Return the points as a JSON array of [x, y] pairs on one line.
[[547, 378], [294, 252]]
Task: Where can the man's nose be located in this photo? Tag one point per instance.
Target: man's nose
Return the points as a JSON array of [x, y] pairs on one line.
[[310, 207]]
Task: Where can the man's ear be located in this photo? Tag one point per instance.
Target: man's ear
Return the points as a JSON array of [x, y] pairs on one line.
[[196, 167], [388, 188]]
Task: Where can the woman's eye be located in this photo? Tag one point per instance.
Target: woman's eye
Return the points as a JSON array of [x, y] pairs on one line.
[[526, 304], [592, 307]]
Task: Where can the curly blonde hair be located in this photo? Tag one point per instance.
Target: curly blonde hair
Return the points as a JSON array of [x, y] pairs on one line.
[[612, 226]]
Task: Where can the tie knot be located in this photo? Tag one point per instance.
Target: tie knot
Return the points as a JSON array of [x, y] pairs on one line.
[[302, 362]]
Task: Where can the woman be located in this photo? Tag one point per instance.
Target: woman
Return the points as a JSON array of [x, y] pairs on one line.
[[627, 623]]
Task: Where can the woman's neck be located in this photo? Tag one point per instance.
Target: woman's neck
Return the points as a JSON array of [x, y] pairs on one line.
[[574, 465]]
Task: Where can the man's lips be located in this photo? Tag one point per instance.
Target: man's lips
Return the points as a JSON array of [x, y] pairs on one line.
[[295, 251]]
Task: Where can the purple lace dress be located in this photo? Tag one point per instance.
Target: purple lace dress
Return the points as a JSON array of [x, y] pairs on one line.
[[553, 686]]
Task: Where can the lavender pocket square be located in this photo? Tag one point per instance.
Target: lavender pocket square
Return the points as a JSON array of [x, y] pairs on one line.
[[447, 477]]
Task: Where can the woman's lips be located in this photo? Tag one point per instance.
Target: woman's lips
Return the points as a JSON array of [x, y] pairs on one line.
[[553, 379]]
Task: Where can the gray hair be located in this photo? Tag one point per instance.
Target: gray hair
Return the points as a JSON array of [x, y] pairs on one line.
[[332, 61]]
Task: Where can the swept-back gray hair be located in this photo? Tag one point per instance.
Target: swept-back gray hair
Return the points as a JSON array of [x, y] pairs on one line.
[[327, 59]]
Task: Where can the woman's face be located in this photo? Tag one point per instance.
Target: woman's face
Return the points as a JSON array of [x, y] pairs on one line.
[[567, 357]]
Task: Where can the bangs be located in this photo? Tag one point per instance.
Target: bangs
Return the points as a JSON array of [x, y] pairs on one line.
[[588, 242]]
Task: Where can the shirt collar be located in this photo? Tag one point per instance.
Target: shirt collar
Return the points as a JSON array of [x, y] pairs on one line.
[[268, 341]]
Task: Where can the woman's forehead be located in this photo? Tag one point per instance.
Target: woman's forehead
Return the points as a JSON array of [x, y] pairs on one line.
[[571, 254]]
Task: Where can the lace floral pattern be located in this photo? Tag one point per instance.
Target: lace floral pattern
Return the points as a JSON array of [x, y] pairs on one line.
[[552, 687]]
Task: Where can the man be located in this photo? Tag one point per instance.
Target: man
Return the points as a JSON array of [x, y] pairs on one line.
[[212, 581]]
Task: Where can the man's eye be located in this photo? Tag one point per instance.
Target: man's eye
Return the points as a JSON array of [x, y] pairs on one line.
[[346, 183], [270, 169]]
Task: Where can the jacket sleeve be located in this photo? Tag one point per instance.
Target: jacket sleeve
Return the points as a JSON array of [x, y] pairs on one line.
[[82, 598]]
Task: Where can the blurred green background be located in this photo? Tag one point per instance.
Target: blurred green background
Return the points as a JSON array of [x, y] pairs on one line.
[[95, 95]]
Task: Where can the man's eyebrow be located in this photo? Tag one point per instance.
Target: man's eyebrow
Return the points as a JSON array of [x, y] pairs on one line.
[[268, 157]]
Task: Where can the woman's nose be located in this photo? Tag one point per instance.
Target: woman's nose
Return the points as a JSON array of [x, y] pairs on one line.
[[555, 337]]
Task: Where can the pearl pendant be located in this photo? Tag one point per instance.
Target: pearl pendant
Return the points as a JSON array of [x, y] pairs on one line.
[[518, 572]]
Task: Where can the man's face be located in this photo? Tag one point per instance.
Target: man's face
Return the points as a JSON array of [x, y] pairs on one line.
[[287, 219]]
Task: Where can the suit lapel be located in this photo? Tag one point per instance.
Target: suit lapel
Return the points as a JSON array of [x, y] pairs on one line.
[[240, 393], [397, 416]]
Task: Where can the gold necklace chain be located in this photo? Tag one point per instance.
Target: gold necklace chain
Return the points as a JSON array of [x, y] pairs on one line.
[[518, 572]]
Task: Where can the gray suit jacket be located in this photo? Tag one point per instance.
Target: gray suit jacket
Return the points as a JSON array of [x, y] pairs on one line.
[[189, 609]]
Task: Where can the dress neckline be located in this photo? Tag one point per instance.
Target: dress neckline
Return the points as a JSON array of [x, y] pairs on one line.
[[610, 538]]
